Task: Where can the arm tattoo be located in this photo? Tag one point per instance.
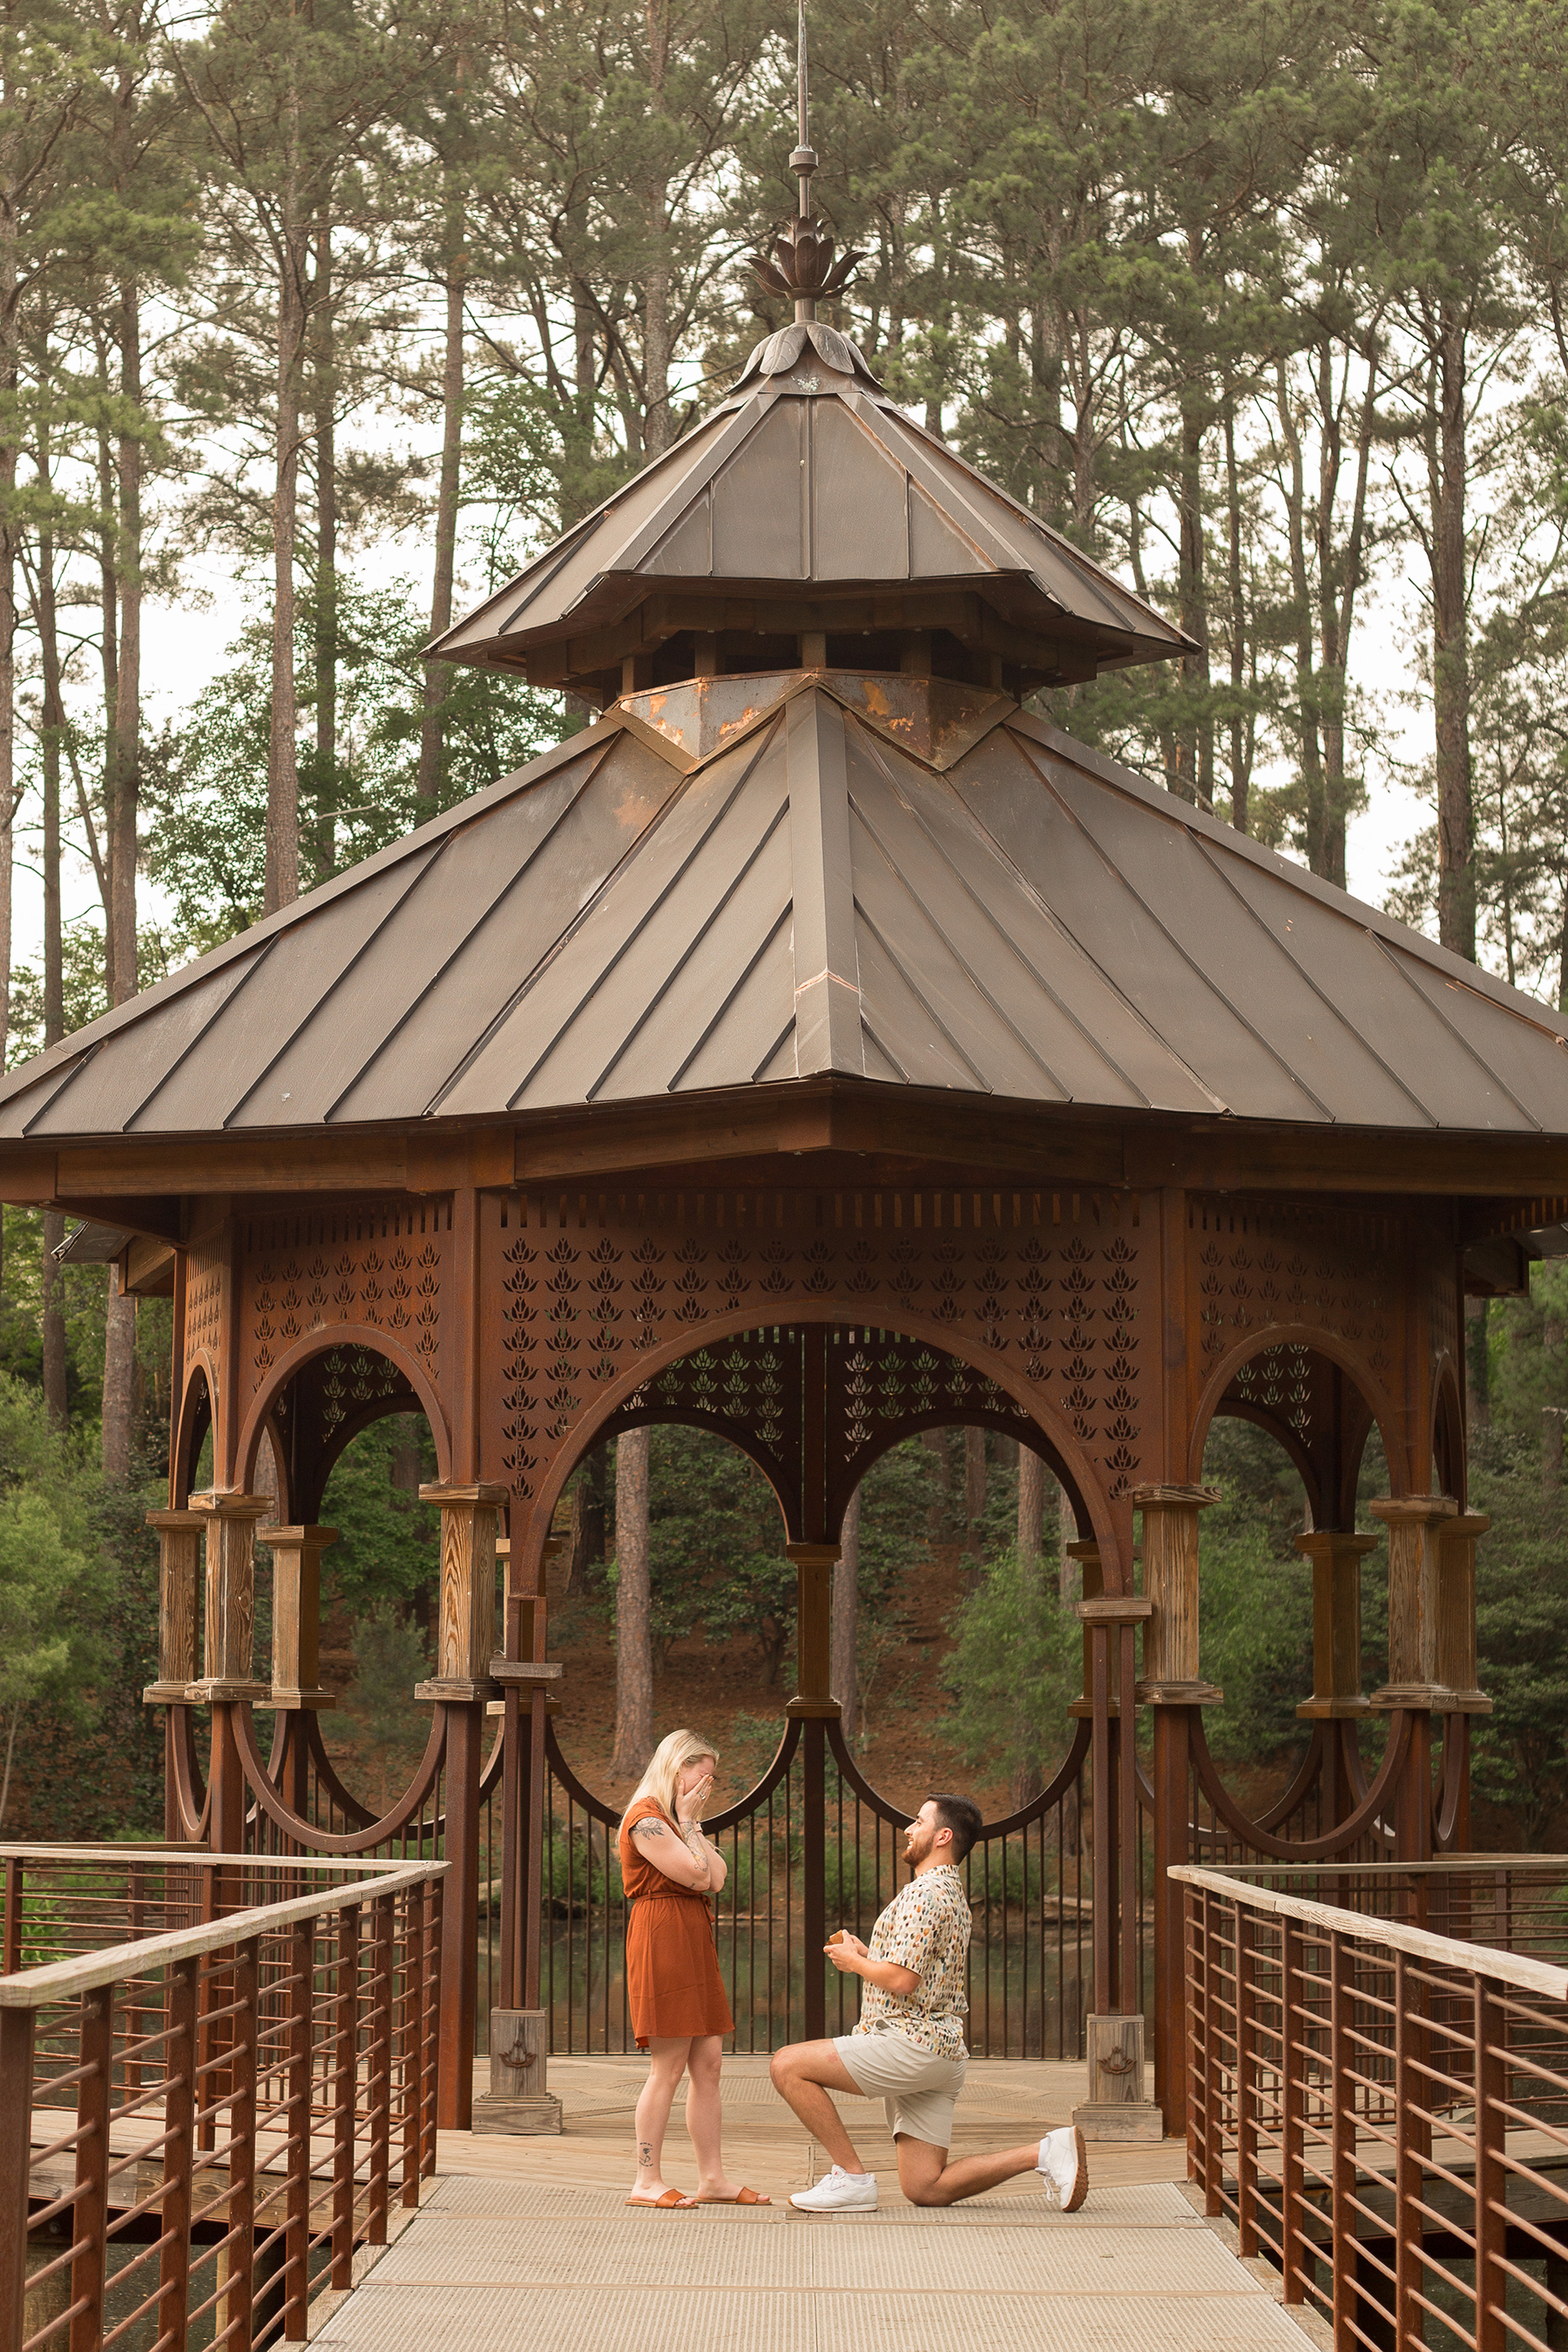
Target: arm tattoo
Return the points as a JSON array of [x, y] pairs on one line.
[[647, 1829]]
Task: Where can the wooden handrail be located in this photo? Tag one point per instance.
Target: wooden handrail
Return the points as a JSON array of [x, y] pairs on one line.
[[36, 1988], [1417, 1943]]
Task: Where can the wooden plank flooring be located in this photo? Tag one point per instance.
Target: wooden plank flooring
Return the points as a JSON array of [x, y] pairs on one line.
[[526, 2241]]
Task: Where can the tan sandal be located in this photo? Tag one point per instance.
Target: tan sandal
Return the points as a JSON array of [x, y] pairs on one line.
[[674, 2200], [742, 2197]]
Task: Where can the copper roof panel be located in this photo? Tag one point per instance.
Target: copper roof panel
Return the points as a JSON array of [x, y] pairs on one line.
[[1338, 956], [859, 520], [1099, 1047], [618, 792], [563, 1030], [898, 1014], [102, 1094], [1262, 988], [759, 526], [349, 1021], [1527, 1064], [1123, 936], [710, 1021]]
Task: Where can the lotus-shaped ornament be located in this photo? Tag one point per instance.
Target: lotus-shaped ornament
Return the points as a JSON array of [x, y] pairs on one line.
[[803, 267]]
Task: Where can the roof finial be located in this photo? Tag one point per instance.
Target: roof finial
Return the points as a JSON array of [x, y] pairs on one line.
[[802, 264]]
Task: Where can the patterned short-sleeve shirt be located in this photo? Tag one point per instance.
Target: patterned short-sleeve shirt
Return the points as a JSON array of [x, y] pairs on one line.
[[926, 1928]]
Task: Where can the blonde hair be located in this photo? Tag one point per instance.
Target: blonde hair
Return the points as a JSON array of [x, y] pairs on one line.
[[676, 1748]]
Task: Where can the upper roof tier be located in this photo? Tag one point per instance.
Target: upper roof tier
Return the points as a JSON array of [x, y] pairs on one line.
[[808, 523]]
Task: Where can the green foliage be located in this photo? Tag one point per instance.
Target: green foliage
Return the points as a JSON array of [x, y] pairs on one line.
[[78, 1634], [716, 1548], [1017, 1665], [207, 847], [1518, 1752], [386, 1551], [391, 1655], [1257, 1595]]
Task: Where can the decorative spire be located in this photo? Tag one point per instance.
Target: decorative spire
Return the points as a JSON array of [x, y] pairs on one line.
[[803, 268]]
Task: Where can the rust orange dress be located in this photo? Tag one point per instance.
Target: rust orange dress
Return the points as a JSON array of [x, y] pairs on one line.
[[673, 1985]]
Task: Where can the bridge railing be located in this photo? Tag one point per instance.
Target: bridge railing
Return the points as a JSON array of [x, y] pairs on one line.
[[216, 2076], [1381, 2109]]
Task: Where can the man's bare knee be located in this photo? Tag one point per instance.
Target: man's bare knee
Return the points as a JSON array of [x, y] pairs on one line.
[[782, 2069]]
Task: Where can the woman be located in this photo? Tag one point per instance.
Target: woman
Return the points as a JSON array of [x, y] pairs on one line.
[[679, 2014]]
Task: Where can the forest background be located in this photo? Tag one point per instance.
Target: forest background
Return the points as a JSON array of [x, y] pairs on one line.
[[324, 316]]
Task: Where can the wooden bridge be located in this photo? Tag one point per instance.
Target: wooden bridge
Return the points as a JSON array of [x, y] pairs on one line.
[[218, 2127]]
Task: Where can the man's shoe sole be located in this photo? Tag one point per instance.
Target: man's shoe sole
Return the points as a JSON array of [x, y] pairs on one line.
[[1081, 2184]]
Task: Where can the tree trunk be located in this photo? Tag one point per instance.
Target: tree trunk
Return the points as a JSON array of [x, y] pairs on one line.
[[281, 886], [1031, 1502], [8, 365], [1450, 652], [324, 648], [973, 1493], [125, 765], [633, 1633], [119, 1360], [587, 1525], [438, 674], [844, 1638], [51, 1282]]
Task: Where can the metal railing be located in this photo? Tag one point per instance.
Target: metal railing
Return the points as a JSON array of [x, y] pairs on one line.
[[1381, 2109], [217, 2074], [1027, 1878]]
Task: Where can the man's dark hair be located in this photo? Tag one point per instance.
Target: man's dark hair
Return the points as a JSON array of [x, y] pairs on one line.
[[962, 1816]]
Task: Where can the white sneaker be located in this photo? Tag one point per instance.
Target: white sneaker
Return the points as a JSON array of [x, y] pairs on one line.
[[1064, 2166], [839, 2192]]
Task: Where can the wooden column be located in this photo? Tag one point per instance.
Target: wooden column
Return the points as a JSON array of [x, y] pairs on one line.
[[1338, 1700], [1415, 1525], [228, 1662], [1456, 1613], [1174, 1687], [462, 1684], [180, 1535], [297, 1613], [520, 2099], [1116, 2108]]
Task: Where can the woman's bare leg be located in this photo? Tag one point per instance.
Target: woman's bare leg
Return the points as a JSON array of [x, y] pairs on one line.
[[666, 2059], [703, 2118]]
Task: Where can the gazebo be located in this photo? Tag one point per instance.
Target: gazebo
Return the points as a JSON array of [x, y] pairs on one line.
[[818, 1048]]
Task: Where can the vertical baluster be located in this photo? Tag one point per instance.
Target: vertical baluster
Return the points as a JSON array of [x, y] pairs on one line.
[[1244, 2025], [1293, 2112], [429, 2063], [297, 2130], [344, 2093], [95, 2056], [1342, 2056], [16, 2035], [1490, 2028], [380, 2070], [410, 2038], [179, 2146], [241, 2071]]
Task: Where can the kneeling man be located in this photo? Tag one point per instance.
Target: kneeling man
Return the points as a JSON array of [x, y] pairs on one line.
[[909, 2047]]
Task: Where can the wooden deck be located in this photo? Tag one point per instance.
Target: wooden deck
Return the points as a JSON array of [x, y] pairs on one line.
[[523, 2241]]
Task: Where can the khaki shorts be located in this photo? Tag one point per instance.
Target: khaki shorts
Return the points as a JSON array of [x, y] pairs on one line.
[[917, 2091]]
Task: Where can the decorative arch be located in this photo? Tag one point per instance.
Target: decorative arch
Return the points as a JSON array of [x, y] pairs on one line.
[[288, 1401], [1023, 1414], [1323, 1431], [196, 1417]]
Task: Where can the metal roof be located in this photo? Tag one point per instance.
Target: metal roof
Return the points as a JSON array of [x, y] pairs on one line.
[[620, 921], [809, 477]]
